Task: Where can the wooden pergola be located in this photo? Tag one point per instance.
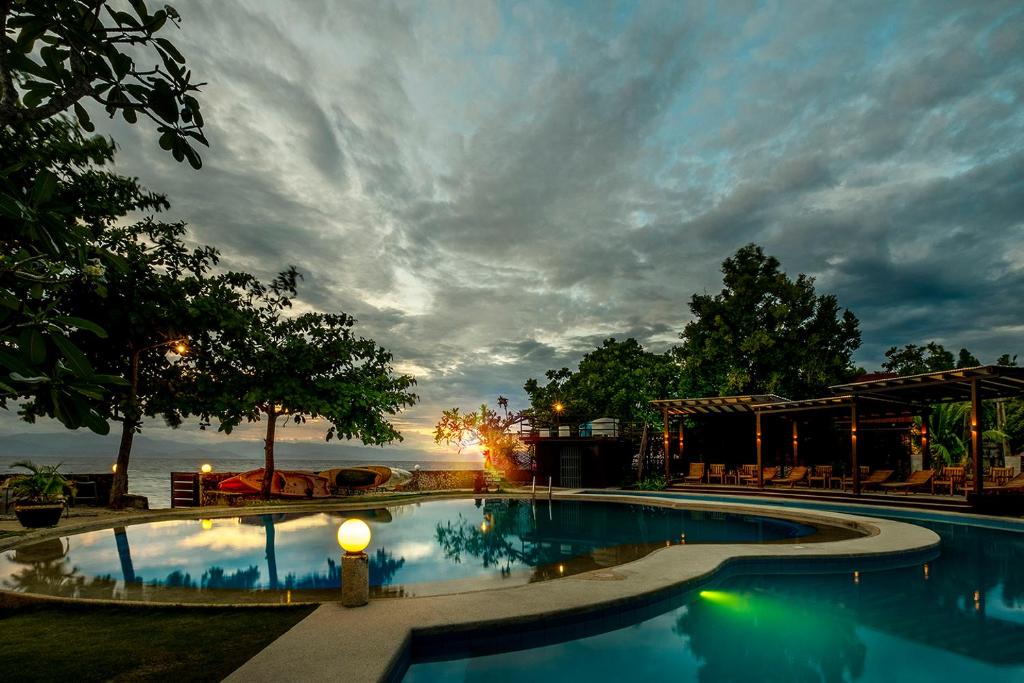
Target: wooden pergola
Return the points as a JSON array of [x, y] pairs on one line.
[[875, 399], [984, 382], [708, 405]]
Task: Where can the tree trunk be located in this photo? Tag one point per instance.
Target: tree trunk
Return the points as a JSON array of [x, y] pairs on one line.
[[120, 486], [268, 453]]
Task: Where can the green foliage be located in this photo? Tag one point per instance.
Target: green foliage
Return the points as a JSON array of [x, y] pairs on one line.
[[652, 483], [949, 433], [56, 203], [57, 53], [617, 379], [495, 432], [932, 357], [43, 484], [765, 333]]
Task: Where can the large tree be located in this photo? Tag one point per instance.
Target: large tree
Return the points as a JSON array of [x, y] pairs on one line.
[[56, 53], [151, 307], [931, 357], [617, 379], [57, 201], [765, 333], [264, 365]]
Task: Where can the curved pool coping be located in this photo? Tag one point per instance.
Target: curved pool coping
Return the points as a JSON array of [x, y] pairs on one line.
[[322, 645]]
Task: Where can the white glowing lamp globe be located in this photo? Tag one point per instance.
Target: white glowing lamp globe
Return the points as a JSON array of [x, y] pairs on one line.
[[206, 468], [353, 535]]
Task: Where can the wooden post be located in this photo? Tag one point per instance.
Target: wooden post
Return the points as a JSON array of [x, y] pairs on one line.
[[757, 428], [979, 470], [926, 454], [853, 448], [664, 439], [796, 443]]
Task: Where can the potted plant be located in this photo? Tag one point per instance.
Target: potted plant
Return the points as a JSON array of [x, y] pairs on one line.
[[39, 496]]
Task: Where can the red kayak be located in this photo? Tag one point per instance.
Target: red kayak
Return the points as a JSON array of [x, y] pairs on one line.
[[285, 484]]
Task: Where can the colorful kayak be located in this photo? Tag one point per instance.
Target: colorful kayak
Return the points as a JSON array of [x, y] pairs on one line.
[[366, 477], [285, 484]]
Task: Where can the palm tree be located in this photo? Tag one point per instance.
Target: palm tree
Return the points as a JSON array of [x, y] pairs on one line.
[[949, 433]]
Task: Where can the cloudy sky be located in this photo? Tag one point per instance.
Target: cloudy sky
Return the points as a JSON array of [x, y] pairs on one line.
[[492, 188]]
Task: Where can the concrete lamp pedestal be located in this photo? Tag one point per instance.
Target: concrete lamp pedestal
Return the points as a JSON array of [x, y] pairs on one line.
[[355, 579]]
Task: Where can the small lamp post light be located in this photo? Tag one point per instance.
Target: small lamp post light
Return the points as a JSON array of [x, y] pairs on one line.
[[353, 537], [113, 468], [206, 468]]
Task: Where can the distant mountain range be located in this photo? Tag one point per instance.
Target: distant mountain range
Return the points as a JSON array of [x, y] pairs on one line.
[[80, 443]]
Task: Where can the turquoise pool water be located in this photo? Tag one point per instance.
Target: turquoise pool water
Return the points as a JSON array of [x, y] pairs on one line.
[[416, 549], [958, 617]]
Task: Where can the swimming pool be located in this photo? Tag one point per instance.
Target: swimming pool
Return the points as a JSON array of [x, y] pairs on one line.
[[959, 616], [417, 549]]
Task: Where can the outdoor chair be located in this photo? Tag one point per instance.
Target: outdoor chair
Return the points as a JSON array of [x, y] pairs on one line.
[[696, 474], [1000, 475], [822, 473], [768, 474], [875, 479], [85, 491], [717, 471], [1013, 484], [953, 477], [846, 482], [746, 473], [916, 480], [795, 476]]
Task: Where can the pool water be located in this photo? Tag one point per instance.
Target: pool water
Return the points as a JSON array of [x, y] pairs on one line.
[[416, 549], [959, 617]]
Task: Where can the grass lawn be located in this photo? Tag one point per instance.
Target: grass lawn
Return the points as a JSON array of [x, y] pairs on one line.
[[79, 643]]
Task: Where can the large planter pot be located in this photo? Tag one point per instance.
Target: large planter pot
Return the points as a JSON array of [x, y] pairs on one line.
[[37, 515]]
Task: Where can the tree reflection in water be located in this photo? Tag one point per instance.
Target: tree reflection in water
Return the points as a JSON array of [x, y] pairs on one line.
[[496, 540]]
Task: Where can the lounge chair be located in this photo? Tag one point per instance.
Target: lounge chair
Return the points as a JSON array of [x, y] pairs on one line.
[[953, 477], [916, 480], [796, 475], [717, 471], [696, 474], [1013, 485], [767, 475], [822, 473], [875, 479]]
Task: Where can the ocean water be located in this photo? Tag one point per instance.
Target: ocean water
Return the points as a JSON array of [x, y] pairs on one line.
[[151, 476]]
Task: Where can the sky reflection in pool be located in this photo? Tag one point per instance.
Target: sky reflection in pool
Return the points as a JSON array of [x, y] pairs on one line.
[[415, 549]]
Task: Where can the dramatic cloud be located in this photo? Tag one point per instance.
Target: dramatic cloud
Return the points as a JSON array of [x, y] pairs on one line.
[[493, 188]]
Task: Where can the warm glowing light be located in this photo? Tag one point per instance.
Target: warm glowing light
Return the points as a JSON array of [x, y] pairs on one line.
[[181, 349], [113, 468], [207, 524], [558, 407], [561, 569], [206, 468], [483, 527], [926, 571], [354, 535], [856, 577], [682, 538]]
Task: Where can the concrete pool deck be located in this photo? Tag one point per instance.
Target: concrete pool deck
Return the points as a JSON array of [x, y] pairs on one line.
[[374, 643]]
